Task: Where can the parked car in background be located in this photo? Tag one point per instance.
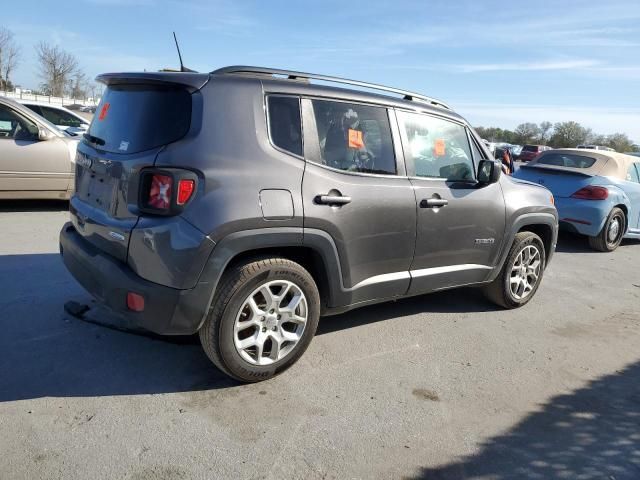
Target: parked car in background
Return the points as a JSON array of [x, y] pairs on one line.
[[529, 152], [62, 118], [595, 147], [515, 151], [243, 204], [36, 158], [597, 192], [88, 109], [73, 106], [635, 154]]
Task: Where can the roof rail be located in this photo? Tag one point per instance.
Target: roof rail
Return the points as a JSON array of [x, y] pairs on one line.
[[293, 75]]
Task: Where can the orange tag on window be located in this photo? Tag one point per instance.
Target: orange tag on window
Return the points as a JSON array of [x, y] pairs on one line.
[[439, 148], [103, 111], [355, 139]]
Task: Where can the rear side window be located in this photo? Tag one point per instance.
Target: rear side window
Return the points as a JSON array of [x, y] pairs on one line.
[[285, 127], [633, 175], [437, 148], [354, 138], [134, 118], [566, 160]]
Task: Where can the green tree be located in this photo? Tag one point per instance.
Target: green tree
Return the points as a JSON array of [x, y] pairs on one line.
[[569, 134], [526, 133], [620, 142]]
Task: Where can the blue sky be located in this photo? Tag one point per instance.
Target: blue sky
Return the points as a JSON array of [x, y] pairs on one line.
[[496, 62]]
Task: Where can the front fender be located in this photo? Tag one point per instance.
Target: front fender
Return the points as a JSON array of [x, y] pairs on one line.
[[545, 218]]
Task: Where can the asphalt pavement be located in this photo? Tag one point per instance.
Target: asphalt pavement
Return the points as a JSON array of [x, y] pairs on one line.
[[443, 386]]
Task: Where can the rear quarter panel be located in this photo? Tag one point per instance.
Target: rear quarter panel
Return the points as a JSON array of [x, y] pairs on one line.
[[235, 161]]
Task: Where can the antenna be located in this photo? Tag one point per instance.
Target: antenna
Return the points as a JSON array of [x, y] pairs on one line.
[[182, 67]]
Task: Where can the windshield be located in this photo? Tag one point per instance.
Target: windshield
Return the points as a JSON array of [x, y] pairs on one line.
[[530, 148], [134, 118]]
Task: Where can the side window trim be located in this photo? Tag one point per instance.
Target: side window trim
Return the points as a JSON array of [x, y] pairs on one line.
[[268, 119], [310, 136]]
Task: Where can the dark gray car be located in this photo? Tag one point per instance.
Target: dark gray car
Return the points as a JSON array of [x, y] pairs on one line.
[[246, 203]]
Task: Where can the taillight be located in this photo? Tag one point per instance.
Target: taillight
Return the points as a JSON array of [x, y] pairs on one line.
[[591, 193], [160, 192], [165, 191], [185, 190]]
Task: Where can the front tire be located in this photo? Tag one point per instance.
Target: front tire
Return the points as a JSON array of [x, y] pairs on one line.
[[262, 319], [521, 273], [611, 234]]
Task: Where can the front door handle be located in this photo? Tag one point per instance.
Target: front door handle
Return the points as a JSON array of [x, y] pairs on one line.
[[333, 199], [433, 203]]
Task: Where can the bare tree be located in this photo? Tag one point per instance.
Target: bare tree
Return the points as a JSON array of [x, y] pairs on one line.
[[78, 86], [9, 58], [57, 68], [545, 131]]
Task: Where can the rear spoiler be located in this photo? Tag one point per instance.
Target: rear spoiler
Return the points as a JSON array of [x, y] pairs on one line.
[[194, 81], [559, 170]]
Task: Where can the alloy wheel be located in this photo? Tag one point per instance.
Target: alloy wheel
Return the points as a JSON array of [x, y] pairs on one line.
[[270, 322], [525, 272]]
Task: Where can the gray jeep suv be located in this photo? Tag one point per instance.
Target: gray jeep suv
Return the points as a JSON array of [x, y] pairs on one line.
[[245, 203]]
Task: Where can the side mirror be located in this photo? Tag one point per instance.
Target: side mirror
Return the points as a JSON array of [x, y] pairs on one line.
[[488, 172], [44, 134]]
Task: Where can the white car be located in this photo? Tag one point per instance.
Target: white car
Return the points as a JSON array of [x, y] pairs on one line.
[[62, 118]]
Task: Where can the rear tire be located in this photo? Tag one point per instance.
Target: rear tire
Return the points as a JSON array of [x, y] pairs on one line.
[[262, 319], [611, 234], [521, 274]]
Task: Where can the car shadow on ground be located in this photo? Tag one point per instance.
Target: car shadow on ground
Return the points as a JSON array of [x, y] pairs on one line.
[[574, 243], [45, 352], [591, 433], [34, 206]]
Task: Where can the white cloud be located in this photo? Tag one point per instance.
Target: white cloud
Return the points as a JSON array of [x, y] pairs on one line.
[[518, 66]]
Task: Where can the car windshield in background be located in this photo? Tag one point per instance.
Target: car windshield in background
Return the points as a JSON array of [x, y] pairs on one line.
[[530, 148], [566, 160], [134, 118]]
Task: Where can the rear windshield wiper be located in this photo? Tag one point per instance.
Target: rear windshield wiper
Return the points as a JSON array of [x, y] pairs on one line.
[[92, 139]]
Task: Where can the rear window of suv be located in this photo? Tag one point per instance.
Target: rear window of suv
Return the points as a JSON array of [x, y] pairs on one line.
[[134, 118], [530, 148]]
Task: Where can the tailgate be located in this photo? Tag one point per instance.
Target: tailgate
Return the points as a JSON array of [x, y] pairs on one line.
[[562, 183], [106, 197], [133, 122]]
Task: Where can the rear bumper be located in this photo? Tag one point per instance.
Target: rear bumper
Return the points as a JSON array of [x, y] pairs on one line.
[[168, 311], [586, 217]]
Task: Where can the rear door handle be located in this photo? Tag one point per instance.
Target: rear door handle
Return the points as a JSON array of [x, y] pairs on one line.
[[333, 199], [433, 203]]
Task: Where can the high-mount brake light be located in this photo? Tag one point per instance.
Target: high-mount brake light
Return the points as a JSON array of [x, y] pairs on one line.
[[591, 193], [160, 192], [185, 190]]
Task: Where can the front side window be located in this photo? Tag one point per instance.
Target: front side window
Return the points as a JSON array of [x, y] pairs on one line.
[[354, 138], [284, 123], [437, 148], [60, 117], [16, 127], [633, 174]]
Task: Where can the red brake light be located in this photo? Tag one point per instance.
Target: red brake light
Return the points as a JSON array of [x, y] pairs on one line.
[[160, 192], [591, 193], [185, 190]]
